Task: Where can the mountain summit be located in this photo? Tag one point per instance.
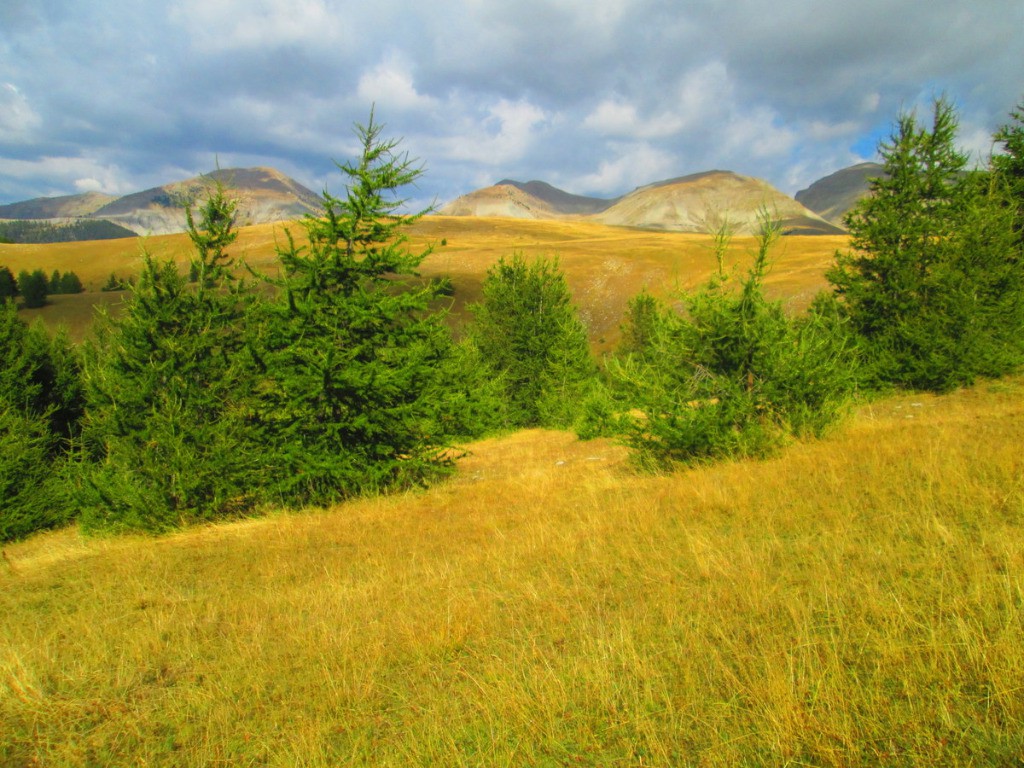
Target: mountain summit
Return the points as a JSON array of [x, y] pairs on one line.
[[524, 200], [700, 202], [263, 195]]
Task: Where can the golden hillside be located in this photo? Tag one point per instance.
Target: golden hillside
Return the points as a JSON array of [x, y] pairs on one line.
[[605, 265]]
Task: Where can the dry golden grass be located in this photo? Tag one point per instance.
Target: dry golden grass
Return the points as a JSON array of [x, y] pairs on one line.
[[856, 601], [604, 266]]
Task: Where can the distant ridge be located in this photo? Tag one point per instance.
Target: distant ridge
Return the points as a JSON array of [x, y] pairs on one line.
[[700, 202], [833, 196], [264, 195], [524, 200], [64, 207], [561, 201], [704, 202]]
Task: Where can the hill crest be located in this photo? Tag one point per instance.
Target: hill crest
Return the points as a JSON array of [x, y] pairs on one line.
[[698, 202], [264, 195]]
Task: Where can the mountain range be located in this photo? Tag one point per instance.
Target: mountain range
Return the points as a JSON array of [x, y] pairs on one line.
[[263, 195], [700, 202]]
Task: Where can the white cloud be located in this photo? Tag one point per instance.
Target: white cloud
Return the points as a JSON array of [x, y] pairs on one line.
[[390, 85], [616, 118], [635, 165], [503, 136], [17, 118], [760, 134], [255, 24], [64, 173]]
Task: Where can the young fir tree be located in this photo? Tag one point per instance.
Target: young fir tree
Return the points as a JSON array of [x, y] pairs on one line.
[[932, 284], [644, 318], [350, 351], [40, 404], [528, 332], [733, 376], [166, 434], [8, 285], [33, 288], [1008, 167]]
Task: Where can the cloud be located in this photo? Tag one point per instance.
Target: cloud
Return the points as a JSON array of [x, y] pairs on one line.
[[390, 85], [604, 94], [634, 165], [503, 135], [268, 25], [66, 175], [17, 118]]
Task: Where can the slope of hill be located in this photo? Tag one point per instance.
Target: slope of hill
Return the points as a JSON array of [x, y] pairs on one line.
[[855, 601], [561, 201], [605, 266], [264, 195], [502, 200], [64, 207], [60, 230], [524, 200], [702, 202], [834, 196]]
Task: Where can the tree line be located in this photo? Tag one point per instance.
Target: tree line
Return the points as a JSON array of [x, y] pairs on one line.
[[35, 231], [222, 391], [34, 287]]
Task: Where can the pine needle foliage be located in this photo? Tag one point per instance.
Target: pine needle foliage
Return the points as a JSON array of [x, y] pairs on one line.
[[1008, 166], [350, 352], [529, 333]]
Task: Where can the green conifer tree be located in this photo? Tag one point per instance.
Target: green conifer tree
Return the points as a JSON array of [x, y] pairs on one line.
[[33, 288], [40, 404], [350, 351], [1008, 166], [932, 284], [8, 285], [733, 375], [167, 433], [528, 331]]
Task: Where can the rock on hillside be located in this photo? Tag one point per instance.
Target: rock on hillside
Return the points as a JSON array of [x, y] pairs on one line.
[[834, 196], [702, 202], [264, 195], [519, 200], [65, 207]]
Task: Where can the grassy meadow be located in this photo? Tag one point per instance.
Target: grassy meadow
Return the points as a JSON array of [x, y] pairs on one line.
[[857, 600], [604, 266]]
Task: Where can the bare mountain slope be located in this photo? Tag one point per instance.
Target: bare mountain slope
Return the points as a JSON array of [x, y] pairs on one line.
[[702, 202], [263, 194], [834, 196], [519, 200], [64, 207]]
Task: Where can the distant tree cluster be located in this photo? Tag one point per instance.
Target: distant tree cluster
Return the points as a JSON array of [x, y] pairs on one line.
[[34, 287], [213, 395], [32, 231]]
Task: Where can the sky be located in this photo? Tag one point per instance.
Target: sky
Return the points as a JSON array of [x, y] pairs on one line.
[[596, 97]]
